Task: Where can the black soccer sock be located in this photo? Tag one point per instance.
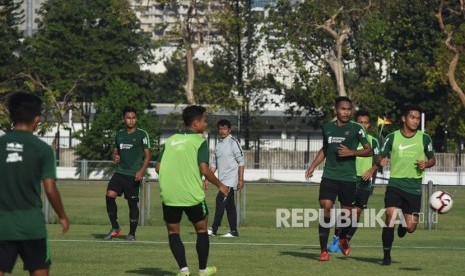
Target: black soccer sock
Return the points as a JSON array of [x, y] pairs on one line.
[[177, 248], [133, 216], [324, 233], [203, 248], [345, 230], [388, 238], [351, 232], [112, 210], [337, 231]]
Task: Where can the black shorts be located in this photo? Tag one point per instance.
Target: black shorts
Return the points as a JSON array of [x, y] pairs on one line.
[[345, 191], [34, 253], [407, 202], [196, 213], [362, 198], [126, 184]]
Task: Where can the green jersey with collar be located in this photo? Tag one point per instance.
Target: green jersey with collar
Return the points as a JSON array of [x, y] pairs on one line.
[[350, 135], [131, 148], [179, 175], [25, 160], [404, 153]]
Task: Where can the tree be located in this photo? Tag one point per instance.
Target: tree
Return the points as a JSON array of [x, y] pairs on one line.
[[80, 46], [97, 143], [11, 17]]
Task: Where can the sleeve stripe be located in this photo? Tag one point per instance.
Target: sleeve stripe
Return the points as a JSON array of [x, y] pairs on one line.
[[147, 136], [238, 145]]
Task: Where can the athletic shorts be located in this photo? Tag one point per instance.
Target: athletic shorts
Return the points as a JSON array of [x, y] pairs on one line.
[[407, 202], [34, 253], [126, 184], [363, 193], [196, 213], [345, 191]]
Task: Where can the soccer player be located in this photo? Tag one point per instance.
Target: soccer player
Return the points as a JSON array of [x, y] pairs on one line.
[[407, 149], [340, 141], [131, 153], [229, 161], [366, 169], [25, 161], [181, 164]]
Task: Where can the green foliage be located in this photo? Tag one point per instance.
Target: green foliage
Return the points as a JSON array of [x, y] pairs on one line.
[[98, 142]]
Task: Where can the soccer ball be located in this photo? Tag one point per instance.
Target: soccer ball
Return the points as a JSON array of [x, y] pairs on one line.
[[441, 202]]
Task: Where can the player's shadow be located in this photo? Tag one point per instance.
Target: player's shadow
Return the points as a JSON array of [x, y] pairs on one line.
[[101, 236], [411, 268], [155, 271], [306, 255]]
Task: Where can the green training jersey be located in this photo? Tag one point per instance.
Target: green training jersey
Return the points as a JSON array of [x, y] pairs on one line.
[[24, 161], [179, 175], [131, 148], [349, 135], [363, 164], [404, 153]]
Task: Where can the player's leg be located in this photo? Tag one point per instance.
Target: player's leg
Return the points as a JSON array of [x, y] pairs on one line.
[[361, 203], [114, 189], [230, 206], [347, 194], [8, 255], [392, 204], [198, 215], [219, 212], [172, 217], [36, 256], [132, 191], [327, 196], [410, 210]]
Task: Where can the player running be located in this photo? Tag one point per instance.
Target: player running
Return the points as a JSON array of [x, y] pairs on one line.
[[340, 141], [407, 149], [366, 171]]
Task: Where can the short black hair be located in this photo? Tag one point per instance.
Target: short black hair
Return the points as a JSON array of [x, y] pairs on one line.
[[128, 109], [224, 122], [411, 107], [192, 113], [23, 107], [342, 99], [361, 112]]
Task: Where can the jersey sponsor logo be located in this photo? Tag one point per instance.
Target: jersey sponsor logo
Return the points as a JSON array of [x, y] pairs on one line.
[[376, 151], [125, 146], [335, 140], [430, 147], [406, 146], [14, 147], [175, 143], [14, 157]]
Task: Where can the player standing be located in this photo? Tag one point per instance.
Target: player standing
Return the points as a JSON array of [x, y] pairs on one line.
[[181, 164], [407, 149], [340, 142], [131, 153], [366, 169], [229, 160], [25, 161]]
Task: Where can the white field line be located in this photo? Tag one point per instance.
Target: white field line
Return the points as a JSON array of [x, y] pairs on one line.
[[257, 244]]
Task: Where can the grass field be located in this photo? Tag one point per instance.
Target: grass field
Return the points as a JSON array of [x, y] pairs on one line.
[[261, 249]]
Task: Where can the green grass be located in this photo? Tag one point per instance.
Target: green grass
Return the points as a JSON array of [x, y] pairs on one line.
[[261, 249]]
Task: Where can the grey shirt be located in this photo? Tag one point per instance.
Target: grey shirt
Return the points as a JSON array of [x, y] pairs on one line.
[[227, 159], [1, 132]]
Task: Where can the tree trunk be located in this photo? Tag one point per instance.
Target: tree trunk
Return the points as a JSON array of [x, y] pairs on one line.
[[189, 86]]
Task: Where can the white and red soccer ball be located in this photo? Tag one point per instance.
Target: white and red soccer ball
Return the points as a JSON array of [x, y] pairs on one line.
[[441, 202]]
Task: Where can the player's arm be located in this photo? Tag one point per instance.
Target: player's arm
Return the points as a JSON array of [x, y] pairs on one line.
[[116, 157], [239, 157], [159, 157], [429, 152], [145, 164], [210, 176], [385, 151], [320, 156], [372, 171], [53, 196], [344, 151]]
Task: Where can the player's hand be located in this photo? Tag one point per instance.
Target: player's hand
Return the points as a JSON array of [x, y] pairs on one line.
[[309, 172], [421, 164], [65, 225], [205, 185], [384, 161], [116, 158], [224, 190], [344, 151], [240, 184], [140, 175], [367, 175]]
